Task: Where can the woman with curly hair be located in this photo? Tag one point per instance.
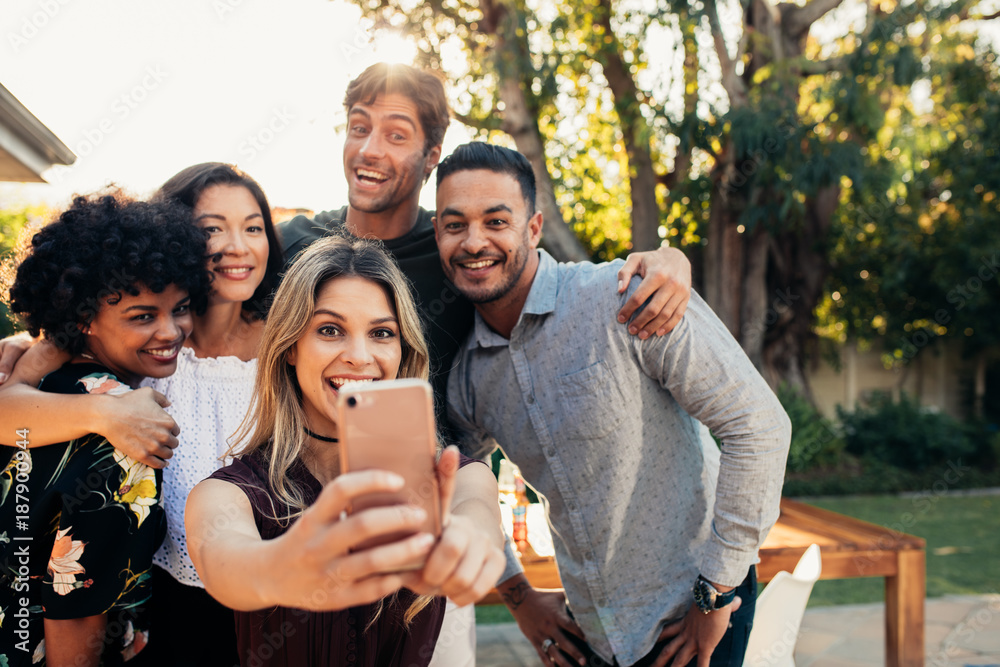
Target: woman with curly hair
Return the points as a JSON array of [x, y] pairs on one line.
[[207, 396], [112, 282], [266, 532]]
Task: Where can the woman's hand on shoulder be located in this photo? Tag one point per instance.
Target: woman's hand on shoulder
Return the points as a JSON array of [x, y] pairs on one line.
[[136, 424], [11, 349]]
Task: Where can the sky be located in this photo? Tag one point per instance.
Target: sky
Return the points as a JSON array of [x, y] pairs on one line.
[[140, 89]]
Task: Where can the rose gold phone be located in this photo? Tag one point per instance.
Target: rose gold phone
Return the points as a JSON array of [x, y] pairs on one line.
[[389, 425]]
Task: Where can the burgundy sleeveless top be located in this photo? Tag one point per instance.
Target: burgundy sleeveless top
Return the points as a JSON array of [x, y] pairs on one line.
[[280, 637]]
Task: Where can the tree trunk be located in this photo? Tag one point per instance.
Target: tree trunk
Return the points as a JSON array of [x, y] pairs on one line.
[[798, 269], [520, 121], [559, 239], [756, 314], [723, 266], [636, 134]]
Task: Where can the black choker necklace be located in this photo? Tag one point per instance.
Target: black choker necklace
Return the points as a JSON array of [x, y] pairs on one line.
[[322, 438]]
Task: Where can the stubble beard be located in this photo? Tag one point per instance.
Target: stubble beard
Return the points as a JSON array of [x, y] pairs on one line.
[[393, 198], [520, 262]]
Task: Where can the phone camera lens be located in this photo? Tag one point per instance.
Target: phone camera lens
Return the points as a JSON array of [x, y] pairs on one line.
[[352, 401]]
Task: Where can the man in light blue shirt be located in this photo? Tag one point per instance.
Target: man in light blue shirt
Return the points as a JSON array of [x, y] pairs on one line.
[[655, 531]]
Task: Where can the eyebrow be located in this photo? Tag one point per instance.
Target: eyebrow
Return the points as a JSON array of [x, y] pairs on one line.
[[395, 116], [148, 308], [338, 316], [492, 209], [219, 216]]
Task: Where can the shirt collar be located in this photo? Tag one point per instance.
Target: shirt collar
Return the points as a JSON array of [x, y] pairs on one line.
[[541, 300]]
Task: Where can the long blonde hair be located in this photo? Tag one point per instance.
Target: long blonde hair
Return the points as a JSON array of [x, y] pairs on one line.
[[275, 422]]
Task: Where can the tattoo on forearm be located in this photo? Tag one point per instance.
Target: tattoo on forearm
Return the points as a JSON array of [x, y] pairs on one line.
[[516, 595]]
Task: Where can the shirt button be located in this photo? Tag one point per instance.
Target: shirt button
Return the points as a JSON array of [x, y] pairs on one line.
[[352, 633], [531, 399], [350, 646], [350, 657]]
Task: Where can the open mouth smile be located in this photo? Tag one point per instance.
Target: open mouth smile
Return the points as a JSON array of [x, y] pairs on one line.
[[238, 272], [370, 177], [164, 353], [339, 383], [479, 264]]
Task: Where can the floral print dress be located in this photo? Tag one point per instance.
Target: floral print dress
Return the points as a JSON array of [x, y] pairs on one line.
[[79, 523]]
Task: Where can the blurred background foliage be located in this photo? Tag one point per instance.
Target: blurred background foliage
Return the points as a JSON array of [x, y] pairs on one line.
[[830, 168], [15, 226], [839, 151]]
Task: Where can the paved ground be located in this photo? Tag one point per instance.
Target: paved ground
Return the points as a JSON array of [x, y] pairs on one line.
[[960, 631]]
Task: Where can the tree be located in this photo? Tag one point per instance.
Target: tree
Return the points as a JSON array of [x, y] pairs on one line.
[[503, 84], [750, 163], [15, 225], [794, 146], [921, 265]]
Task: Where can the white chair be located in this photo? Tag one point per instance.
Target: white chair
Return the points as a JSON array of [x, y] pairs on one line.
[[779, 614]]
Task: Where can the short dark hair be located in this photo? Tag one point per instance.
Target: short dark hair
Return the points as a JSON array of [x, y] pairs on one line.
[[99, 248], [424, 88], [186, 186], [479, 155]]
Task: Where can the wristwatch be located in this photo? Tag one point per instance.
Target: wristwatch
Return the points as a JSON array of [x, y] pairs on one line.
[[708, 598]]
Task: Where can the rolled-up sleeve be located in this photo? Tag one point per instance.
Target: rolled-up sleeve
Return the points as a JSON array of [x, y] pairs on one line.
[[709, 375]]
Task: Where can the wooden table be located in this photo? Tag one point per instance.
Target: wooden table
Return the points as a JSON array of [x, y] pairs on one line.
[[850, 548]]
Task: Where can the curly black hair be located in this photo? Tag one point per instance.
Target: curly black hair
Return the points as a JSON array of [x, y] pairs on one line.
[[101, 247]]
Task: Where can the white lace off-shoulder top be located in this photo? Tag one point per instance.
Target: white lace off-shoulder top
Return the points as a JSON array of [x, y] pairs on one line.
[[209, 397]]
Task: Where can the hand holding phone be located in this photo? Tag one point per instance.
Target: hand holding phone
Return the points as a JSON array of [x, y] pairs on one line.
[[389, 425]]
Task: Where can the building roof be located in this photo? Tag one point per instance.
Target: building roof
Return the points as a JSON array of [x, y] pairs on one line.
[[27, 147]]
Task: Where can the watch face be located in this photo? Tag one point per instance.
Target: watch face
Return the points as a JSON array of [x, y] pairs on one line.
[[704, 595]]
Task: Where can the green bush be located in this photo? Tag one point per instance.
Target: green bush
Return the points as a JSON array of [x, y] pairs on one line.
[[12, 222], [904, 435], [816, 442]]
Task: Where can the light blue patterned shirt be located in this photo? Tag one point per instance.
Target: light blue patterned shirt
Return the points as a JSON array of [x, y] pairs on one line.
[[605, 426]]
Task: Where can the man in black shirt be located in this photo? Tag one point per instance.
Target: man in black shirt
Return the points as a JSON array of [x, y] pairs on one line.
[[396, 120]]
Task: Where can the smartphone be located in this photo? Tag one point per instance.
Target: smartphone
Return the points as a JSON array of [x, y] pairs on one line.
[[389, 425]]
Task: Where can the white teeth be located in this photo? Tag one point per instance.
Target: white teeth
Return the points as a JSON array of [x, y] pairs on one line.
[[241, 270], [340, 382], [162, 353], [479, 265], [372, 174]]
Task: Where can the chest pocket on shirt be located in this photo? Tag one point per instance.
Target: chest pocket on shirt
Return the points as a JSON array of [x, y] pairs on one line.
[[592, 403]]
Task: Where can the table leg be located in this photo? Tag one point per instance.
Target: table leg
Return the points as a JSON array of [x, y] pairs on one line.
[[904, 610]]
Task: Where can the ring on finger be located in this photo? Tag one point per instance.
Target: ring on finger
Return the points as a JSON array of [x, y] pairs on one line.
[[547, 644]]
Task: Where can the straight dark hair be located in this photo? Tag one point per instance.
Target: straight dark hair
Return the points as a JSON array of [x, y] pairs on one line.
[[479, 155], [186, 186]]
